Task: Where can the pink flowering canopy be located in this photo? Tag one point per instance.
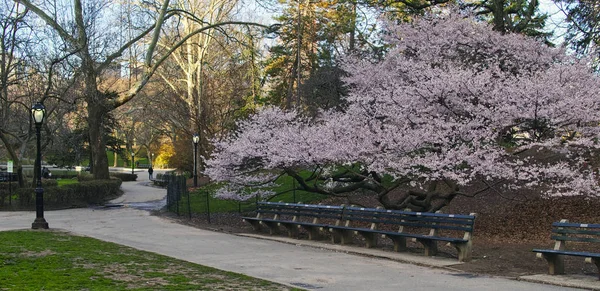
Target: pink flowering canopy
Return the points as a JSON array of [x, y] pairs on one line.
[[452, 102]]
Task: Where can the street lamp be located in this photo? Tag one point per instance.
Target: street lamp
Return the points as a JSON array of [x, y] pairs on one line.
[[196, 139], [38, 112], [132, 161], [152, 161]]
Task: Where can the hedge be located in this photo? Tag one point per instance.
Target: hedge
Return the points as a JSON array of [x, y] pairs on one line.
[[64, 175], [74, 195], [121, 176], [5, 186], [125, 177]]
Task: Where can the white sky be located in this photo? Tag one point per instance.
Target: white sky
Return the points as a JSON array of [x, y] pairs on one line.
[[555, 21]]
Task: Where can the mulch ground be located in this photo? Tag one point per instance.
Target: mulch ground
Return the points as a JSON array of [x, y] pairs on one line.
[[507, 228]]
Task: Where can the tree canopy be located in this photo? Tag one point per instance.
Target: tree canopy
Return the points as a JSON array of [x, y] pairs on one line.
[[452, 102]]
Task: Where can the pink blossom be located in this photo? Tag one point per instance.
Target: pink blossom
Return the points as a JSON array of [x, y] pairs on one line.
[[435, 109]]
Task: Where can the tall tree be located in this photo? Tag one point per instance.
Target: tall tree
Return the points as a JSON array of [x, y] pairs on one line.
[[193, 60], [29, 72], [516, 16], [432, 116], [88, 34], [583, 31], [13, 134], [313, 36]]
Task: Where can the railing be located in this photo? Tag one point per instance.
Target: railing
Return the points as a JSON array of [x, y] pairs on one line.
[[176, 190]]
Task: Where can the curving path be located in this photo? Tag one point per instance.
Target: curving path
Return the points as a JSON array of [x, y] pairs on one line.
[[294, 265]]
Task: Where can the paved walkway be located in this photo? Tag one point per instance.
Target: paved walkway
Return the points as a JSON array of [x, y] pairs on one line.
[[295, 265]]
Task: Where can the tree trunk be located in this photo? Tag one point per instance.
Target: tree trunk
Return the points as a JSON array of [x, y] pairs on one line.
[[17, 165], [96, 116]]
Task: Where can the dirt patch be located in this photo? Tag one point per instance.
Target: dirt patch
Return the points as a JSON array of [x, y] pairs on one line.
[[31, 254], [507, 228]]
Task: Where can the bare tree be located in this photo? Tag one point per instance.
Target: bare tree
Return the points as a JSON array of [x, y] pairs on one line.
[[85, 35]]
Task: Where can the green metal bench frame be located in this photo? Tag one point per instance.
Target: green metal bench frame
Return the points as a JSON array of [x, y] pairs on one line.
[[564, 231]]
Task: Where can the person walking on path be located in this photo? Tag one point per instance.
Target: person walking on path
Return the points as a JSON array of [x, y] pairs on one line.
[[150, 171]]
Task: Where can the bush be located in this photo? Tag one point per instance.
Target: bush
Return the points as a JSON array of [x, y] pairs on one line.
[[49, 183], [163, 159], [64, 175], [125, 177], [5, 186], [73, 195], [85, 177]]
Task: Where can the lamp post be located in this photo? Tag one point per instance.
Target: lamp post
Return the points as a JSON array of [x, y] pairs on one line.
[[152, 161], [196, 139], [38, 112], [132, 161]]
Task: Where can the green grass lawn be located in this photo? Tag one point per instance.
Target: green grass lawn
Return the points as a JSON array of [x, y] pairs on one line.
[[50, 260], [121, 163], [62, 182], [198, 198]]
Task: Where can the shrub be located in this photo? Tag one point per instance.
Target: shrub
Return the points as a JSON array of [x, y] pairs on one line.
[[5, 186], [49, 183], [164, 158], [73, 195], [85, 177], [64, 175], [125, 177]]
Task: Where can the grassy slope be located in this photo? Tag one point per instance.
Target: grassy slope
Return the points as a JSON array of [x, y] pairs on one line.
[[44, 260], [198, 198], [121, 163]]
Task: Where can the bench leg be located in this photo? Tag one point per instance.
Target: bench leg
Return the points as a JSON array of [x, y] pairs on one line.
[[556, 264], [596, 261], [273, 227], [341, 236], [313, 232], [399, 243], [430, 246], [370, 239], [255, 224], [464, 251], [292, 230], [335, 236]]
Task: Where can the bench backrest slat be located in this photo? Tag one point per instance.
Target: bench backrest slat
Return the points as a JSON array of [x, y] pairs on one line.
[[578, 232], [423, 219], [579, 225], [424, 214], [578, 239], [410, 218], [376, 217], [299, 210], [423, 222]]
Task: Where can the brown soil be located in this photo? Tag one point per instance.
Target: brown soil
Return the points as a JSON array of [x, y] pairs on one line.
[[506, 230]]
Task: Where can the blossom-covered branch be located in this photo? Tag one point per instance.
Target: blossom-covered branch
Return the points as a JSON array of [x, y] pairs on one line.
[[452, 102]]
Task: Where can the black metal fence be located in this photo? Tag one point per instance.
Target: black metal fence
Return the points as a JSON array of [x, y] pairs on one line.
[[176, 191]]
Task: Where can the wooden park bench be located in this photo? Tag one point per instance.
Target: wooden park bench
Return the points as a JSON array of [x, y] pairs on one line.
[[294, 216], [343, 222], [564, 231], [426, 228], [162, 180]]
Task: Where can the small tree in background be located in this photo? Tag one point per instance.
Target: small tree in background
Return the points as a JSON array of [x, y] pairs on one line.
[[451, 103], [163, 159]]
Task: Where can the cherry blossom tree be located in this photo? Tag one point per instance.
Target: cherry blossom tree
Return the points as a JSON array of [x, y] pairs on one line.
[[453, 102]]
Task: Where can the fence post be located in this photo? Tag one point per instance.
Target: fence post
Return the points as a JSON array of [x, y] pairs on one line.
[[188, 196], [177, 180], [207, 207]]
